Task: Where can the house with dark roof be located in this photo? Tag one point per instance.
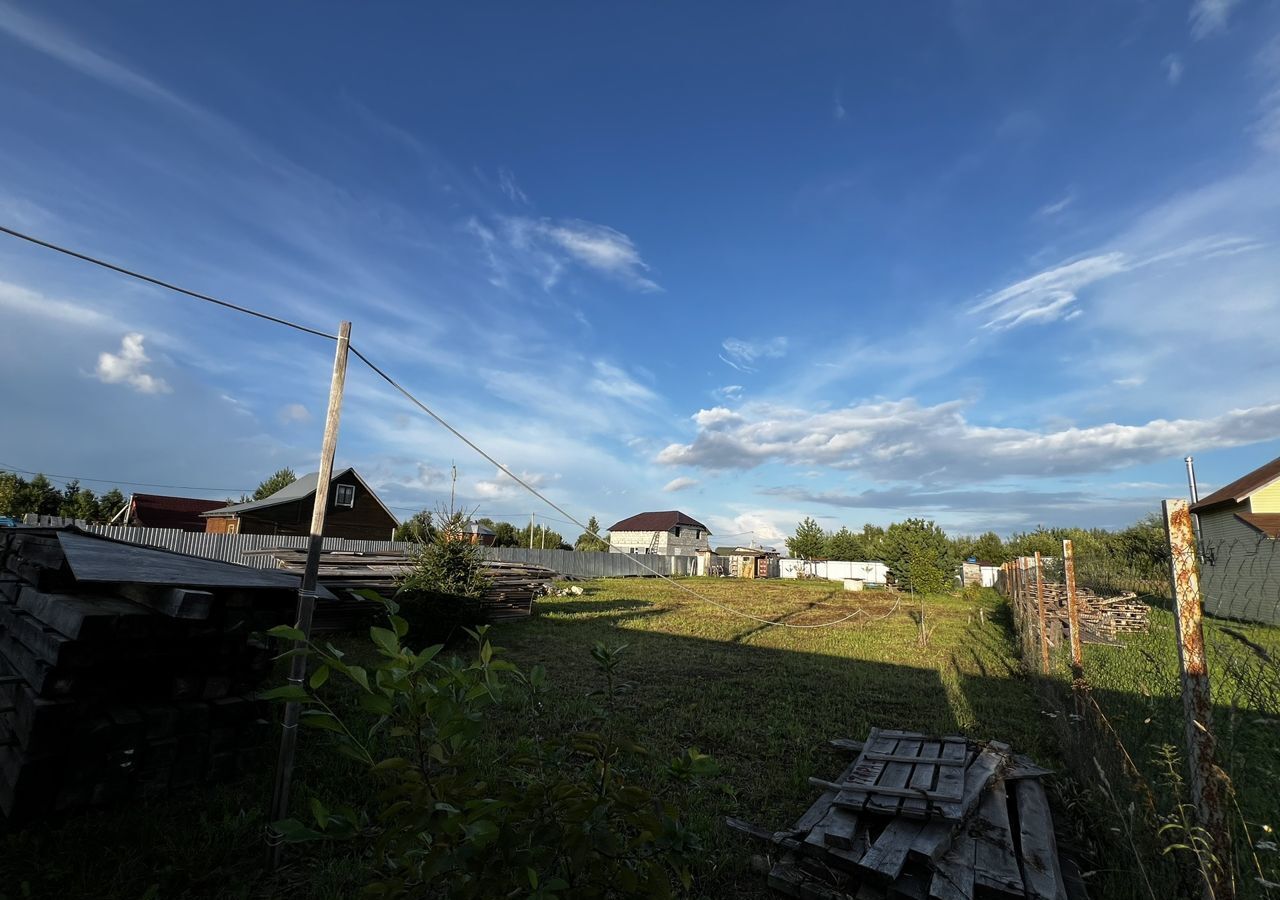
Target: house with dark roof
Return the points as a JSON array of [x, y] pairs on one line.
[[1240, 556], [666, 533], [159, 511], [354, 511]]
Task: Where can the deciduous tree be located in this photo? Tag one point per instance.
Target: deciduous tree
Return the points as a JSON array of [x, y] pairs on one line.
[[280, 480]]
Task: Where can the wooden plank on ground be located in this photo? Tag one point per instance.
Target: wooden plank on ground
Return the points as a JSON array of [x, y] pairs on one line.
[[896, 774], [1038, 845], [932, 842], [953, 875], [996, 858], [887, 856], [923, 777], [839, 828], [176, 603], [82, 617]]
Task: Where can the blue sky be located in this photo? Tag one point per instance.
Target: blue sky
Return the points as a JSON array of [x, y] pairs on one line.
[[753, 261]]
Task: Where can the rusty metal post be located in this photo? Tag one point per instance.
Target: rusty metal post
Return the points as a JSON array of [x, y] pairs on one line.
[[1044, 634], [1073, 611], [1197, 707]]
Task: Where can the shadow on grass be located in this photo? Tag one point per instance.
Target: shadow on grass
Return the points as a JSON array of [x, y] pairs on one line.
[[573, 606]]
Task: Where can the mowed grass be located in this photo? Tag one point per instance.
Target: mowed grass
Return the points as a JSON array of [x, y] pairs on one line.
[[762, 699]]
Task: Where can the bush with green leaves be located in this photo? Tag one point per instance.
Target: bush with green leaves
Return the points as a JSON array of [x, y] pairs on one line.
[[441, 592], [551, 816]]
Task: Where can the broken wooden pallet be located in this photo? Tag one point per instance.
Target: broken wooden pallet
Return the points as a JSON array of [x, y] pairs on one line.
[[918, 816]]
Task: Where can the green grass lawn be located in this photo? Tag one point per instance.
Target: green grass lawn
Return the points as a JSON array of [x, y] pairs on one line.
[[763, 700]]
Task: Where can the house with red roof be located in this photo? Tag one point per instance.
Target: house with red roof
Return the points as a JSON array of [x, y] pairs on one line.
[[666, 533]]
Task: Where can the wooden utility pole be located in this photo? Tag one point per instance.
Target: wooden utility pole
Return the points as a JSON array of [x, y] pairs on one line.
[[307, 591], [1197, 707], [1073, 611], [1044, 634]]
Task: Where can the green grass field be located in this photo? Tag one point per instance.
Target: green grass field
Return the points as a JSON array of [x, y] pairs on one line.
[[763, 700]]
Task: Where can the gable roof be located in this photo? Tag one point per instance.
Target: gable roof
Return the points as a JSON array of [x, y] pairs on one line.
[[159, 511], [657, 521], [741, 551], [304, 487], [1239, 490]]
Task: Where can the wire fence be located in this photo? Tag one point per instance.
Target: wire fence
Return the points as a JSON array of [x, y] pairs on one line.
[[1174, 744]]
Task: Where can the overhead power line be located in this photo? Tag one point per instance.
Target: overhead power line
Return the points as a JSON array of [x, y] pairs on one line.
[[164, 284], [637, 558], [234, 307]]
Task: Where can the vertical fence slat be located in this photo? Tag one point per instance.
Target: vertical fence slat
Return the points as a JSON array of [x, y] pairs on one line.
[[1044, 634], [1073, 611]]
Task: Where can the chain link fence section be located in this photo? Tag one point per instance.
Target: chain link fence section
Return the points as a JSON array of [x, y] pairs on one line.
[[1122, 726]]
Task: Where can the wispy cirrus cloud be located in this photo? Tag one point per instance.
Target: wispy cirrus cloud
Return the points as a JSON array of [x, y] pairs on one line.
[[544, 249], [743, 354], [1051, 210], [1209, 17], [1173, 68], [614, 382], [128, 367], [903, 440]]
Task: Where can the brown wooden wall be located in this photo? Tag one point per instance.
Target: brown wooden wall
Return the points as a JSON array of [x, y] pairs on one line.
[[366, 521]]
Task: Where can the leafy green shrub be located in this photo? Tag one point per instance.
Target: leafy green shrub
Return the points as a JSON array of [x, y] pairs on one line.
[[553, 816], [441, 592]]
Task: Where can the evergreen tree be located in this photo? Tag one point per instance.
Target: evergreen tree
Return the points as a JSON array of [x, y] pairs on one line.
[[844, 545], [589, 540], [280, 480], [110, 503], [920, 556], [809, 541]]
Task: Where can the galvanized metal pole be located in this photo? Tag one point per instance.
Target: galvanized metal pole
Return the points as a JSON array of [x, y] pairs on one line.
[[1193, 490], [1044, 634], [1197, 707], [307, 591], [1073, 611]]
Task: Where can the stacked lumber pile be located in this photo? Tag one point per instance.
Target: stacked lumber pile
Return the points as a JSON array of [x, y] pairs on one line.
[[126, 670], [513, 586], [921, 817], [1102, 616]]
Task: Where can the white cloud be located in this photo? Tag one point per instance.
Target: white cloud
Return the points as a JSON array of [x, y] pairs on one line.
[[680, 484], [127, 367], [902, 440], [1049, 210], [24, 301], [507, 182], [731, 392], [294, 412], [501, 486], [743, 354], [762, 526], [1209, 17], [1051, 295], [838, 112], [542, 248], [1173, 68], [613, 382]]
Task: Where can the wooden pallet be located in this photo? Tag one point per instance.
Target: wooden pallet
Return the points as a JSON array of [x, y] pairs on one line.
[[921, 817]]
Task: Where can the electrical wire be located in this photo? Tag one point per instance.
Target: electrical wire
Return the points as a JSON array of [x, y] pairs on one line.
[[84, 257], [638, 559], [164, 284]]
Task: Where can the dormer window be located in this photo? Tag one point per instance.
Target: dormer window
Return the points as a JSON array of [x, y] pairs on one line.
[[345, 496]]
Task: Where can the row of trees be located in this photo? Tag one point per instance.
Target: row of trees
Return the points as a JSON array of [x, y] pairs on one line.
[[923, 556], [18, 496], [421, 528]]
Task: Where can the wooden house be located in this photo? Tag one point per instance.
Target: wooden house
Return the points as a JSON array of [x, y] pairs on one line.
[[1239, 551], [667, 533], [159, 511], [749, 562], [354, 511]]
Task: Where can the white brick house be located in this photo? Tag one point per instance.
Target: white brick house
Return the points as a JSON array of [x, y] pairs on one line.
[[668, 533]]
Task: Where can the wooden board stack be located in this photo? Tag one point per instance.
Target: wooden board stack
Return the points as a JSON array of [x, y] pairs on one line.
[[126, 670], [1105, 617], [929, 818], [513, 586]]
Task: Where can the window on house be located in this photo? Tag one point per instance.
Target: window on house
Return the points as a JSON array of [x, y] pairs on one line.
[[345, 495], [677, 531], [697, 535]]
